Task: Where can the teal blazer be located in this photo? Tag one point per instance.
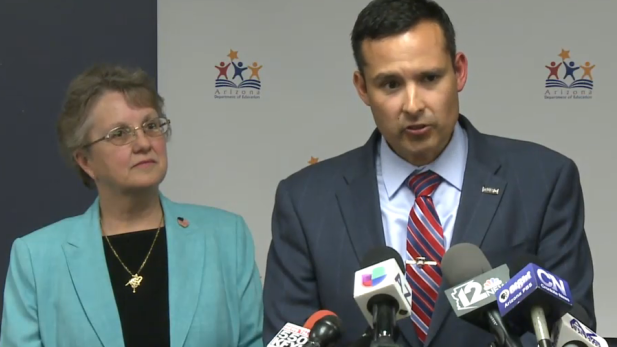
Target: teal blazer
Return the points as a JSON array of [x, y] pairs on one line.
[[58, 292]]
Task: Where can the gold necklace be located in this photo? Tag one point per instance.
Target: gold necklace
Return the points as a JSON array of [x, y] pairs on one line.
[[136, 279]]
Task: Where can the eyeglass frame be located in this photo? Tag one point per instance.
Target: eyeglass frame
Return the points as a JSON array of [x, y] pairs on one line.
[[133, 132]]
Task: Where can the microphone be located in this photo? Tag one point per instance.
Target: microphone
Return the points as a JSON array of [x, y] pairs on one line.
[[534, 298], [382, 293], [325, 329], [290, 335], [474, 284], [572, 331]]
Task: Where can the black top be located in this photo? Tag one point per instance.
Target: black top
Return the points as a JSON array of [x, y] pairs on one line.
[[144, 314]]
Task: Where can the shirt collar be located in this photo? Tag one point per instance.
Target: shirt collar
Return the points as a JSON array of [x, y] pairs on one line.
[[450, 165]]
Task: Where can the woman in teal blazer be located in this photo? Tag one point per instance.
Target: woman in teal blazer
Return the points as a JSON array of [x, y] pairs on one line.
[[136, 269]]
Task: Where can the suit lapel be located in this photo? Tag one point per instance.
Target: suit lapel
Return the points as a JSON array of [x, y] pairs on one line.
[[480, 197], [482, 190], [85, 257], [186, 254], [359, 204]]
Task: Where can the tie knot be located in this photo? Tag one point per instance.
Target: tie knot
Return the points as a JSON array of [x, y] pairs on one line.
[[424, 183]]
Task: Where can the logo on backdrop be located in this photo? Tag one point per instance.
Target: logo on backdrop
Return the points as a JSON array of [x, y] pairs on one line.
[[237, 79], [569, 78]]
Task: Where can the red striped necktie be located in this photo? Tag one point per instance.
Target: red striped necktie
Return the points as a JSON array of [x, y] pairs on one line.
[[424, 239]]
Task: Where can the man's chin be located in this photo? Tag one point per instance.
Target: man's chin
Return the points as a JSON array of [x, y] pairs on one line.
[[420, 153]]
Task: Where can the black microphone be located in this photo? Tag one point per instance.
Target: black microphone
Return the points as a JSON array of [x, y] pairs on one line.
[[473, 285], [326, 332], [382, 293], [534, 298]]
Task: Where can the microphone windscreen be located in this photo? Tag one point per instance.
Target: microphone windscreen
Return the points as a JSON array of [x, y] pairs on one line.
[[463, 262], [379, 254], [317, 316], [520, 262]]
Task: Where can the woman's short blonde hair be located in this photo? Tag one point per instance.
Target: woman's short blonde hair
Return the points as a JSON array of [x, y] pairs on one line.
[[85, 90]]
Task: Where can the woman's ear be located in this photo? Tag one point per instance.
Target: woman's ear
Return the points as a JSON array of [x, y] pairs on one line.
[[81, 157]]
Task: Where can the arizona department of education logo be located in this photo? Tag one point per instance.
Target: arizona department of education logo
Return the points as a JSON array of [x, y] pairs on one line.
[[232, 81], [568, 80]]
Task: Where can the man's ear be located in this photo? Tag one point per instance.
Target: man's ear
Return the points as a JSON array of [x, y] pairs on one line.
[[460, 69]]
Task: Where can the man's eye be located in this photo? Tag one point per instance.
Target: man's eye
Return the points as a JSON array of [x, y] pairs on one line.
[[391, 85], [431, 78]]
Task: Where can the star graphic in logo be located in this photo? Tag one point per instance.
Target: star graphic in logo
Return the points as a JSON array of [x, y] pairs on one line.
[[564, 54], [232, 54], [313, 160]]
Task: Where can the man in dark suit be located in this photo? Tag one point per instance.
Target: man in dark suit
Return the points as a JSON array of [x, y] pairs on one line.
[[425, 180]]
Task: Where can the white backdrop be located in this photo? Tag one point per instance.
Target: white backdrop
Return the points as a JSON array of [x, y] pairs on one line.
[[231, 153]]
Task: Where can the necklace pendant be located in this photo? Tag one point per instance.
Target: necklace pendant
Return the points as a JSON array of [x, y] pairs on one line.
[[134, 282]]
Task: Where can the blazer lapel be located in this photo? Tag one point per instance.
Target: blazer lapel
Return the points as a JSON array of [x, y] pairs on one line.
[[480, 197], [359, 204], [85, 257], [482, 190], [186, 254]]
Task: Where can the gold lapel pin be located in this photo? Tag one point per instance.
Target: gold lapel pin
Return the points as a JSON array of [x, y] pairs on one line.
[[183, 222]]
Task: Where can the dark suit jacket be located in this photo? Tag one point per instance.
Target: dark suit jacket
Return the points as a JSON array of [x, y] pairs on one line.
[[327, 216]]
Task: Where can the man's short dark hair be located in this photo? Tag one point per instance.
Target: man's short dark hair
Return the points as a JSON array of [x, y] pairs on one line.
[[385, 18]]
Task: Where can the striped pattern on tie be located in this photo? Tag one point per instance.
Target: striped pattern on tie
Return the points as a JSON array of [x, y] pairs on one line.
[[424, 239]]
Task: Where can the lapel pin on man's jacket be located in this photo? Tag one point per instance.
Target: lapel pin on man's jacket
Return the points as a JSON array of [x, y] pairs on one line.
[[183, 222], [488, 190]]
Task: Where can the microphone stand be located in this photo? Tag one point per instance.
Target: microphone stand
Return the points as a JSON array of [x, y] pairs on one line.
[[384, 321], [499, 329]]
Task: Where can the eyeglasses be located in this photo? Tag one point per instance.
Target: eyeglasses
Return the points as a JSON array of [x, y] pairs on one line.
[[124, 135]]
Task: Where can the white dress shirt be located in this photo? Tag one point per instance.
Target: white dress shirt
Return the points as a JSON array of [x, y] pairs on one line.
[[396, 198]]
